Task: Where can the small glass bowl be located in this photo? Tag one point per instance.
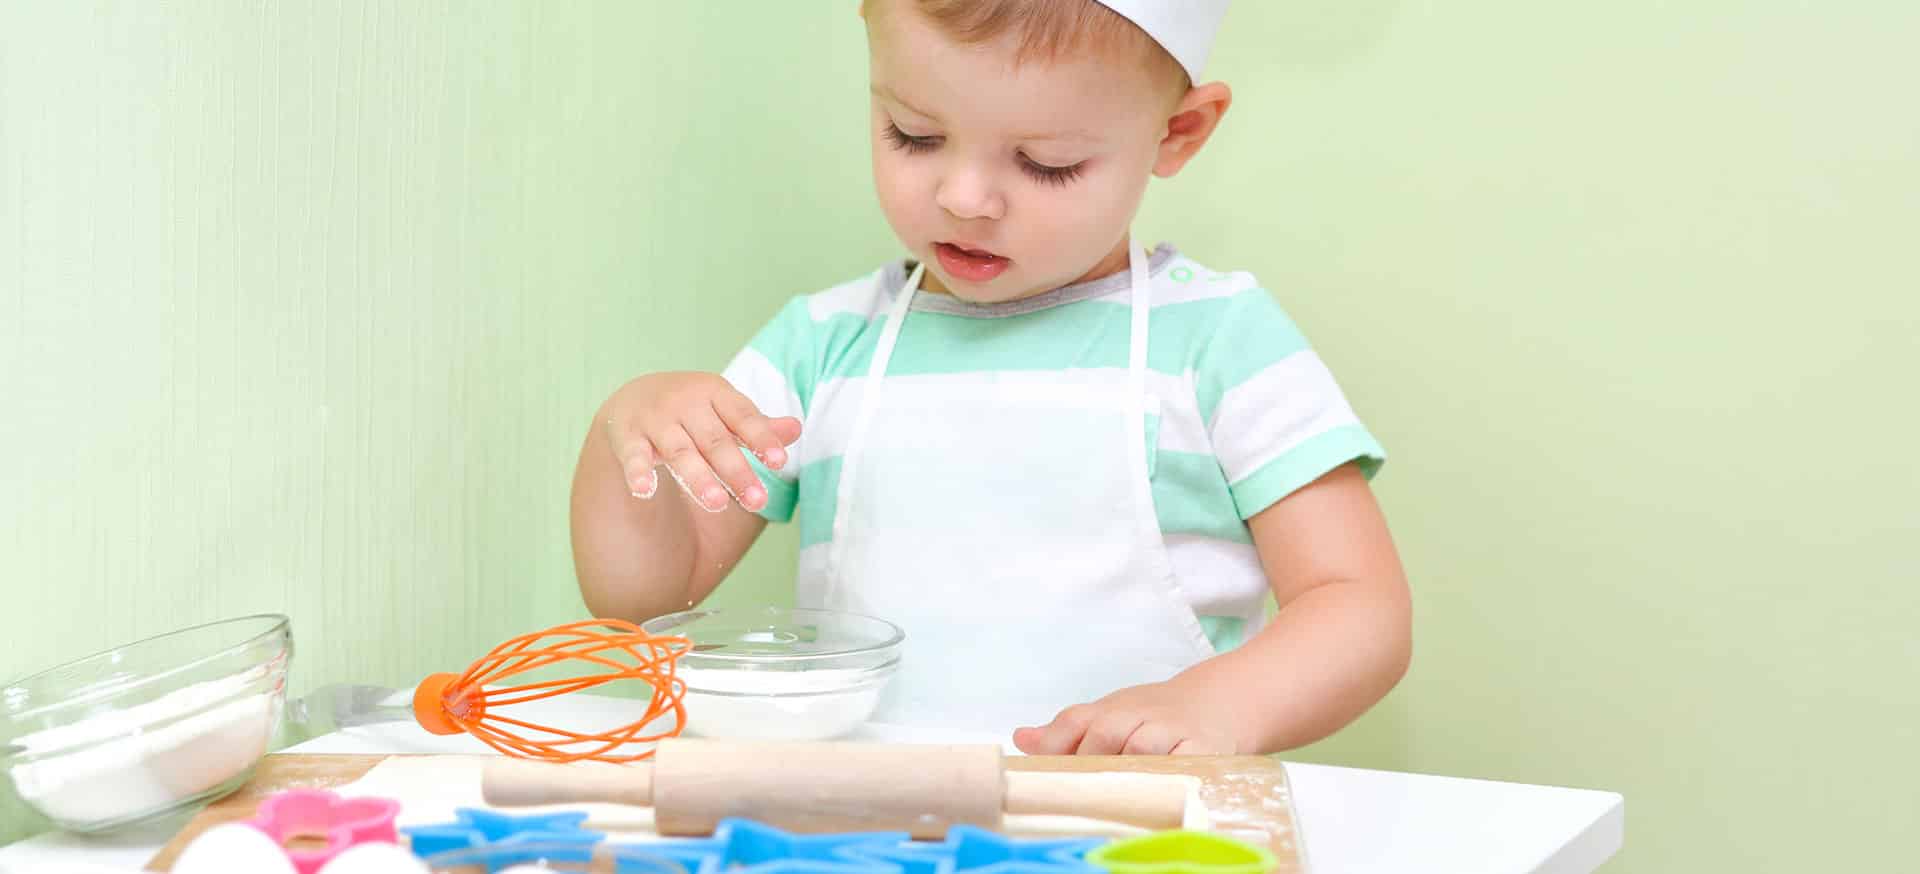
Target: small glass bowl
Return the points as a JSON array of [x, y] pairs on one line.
[[778, 673], [530, 857], [149, 729]]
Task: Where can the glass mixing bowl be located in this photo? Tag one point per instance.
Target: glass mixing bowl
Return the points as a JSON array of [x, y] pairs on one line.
[[149, 729], [778, 673]]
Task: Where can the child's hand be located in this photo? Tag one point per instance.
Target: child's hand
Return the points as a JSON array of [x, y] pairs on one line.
[[695, 424], [1155, 719]]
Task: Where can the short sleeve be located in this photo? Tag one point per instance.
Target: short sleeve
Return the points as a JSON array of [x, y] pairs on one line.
[[1275, 416], [772, 371]]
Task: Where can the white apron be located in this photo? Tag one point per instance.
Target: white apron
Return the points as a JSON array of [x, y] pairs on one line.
[[1009, 528]]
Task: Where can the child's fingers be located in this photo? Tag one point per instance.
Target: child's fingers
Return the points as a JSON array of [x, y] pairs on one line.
[[758, 433], [722, 453], [635, 454], [689, 468], [786, 429], [1108, 734], [1151, 739], [1056, 738], [1196, 746]]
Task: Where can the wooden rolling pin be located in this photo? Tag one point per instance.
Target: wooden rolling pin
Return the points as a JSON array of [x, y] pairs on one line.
[[825, 787]]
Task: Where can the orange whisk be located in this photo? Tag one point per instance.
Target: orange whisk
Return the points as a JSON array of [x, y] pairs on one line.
[[470, 702]]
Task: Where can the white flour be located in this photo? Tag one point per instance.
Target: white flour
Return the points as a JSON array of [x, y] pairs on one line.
[[141, 759], [778, 705]]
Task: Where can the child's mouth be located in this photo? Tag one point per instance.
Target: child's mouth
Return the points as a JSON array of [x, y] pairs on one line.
[[970, 265]]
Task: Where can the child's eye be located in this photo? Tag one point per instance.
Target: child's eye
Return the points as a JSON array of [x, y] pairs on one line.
[[1050, 174], [908, 142]]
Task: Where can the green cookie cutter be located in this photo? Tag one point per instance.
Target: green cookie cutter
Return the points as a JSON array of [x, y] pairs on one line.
[[1183, 852]]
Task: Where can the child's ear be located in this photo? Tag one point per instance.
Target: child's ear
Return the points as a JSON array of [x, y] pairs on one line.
[[1193, 121]]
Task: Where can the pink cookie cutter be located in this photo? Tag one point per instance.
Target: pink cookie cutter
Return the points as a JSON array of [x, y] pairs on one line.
[[317, 813]]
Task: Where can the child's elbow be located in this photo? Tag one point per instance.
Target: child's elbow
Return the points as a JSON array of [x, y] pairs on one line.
[[1400, 654], [1400, 662], [1395, 656]]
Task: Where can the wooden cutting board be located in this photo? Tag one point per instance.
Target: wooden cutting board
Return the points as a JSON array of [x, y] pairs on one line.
[[1246, 796]]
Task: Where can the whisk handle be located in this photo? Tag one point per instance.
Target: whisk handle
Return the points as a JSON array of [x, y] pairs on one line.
[[519, 783]]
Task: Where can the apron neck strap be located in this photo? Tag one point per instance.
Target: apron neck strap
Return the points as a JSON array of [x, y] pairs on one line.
[[1140, 299], [1142, 305], [890, 330]]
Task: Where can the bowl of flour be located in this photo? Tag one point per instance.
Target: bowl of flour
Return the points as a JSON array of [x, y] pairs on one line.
[[149, 729], [777, 673]]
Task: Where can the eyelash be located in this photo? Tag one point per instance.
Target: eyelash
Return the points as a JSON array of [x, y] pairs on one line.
[[1042, 173], [908, 143]]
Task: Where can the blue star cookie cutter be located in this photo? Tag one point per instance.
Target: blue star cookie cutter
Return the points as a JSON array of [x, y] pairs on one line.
[[475, 828], [744, 846], [758, 848], [972, 849]]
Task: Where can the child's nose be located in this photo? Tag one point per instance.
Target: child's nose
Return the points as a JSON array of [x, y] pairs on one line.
[[968, 193]]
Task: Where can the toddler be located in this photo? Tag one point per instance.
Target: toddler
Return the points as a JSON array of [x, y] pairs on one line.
[[1070, 467]]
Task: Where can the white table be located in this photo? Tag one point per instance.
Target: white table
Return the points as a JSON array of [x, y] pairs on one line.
[[1352, 821]]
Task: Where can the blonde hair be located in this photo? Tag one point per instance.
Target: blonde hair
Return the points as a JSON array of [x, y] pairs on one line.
[[1045, 30]]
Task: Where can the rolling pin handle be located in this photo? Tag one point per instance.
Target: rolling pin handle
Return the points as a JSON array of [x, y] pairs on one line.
[[517, 783], [1151, 801]]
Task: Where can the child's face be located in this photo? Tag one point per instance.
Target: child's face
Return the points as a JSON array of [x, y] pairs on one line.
[[1007, 183]]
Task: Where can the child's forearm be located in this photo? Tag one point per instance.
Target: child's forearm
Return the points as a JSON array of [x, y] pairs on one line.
[[634, 558], [1329, 655]]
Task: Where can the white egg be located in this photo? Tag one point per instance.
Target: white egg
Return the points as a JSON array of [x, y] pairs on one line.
[[233, 847], [375, 859]]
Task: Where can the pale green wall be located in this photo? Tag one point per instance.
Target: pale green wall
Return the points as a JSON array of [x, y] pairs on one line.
[[303, 307]]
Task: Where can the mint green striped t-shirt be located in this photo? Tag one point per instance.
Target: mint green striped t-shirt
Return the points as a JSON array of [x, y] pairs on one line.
[[1248, 413]]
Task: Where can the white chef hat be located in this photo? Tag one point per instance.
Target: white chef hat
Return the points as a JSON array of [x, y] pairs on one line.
[[1185, 28]]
